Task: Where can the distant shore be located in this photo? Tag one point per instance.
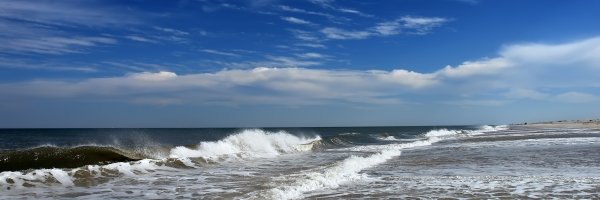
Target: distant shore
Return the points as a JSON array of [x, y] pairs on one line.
[[591, 124]]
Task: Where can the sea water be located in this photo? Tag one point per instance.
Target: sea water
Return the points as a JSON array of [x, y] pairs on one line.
[[296, 163]]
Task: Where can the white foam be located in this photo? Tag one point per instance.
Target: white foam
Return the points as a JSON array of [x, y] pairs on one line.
[[445, 133], [39, 177], [344, 171], [131, 169], [187, 162], [488, 128], [35, 177], [430, 138], [389, 138], [248, 143], [62, 177], [441, 133]]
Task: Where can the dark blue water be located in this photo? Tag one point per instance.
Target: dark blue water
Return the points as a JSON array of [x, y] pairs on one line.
[[134, 137]]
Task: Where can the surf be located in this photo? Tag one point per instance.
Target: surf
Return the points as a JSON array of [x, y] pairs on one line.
[[88, 165]]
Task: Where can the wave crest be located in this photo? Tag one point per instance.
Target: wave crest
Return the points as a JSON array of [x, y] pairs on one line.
[[248, 143], [56, 157]]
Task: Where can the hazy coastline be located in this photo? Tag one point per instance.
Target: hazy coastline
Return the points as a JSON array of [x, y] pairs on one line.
[[586, 124]]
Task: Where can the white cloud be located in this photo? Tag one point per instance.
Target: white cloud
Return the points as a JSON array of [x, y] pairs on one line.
[[271, 85], [581, 52], [311, 55], [16, 63], [65, 13], [39, 27], [159, 76], [290, 62], [406, 24], [271, 61], [388, 28], [140, 39], [340, 34], [352, 11], [410, 78], [323, 3], [329, 4], [312, 45], [479, 67], [171, 34], [297, 21], [298, 10], [172, 31], [52, 45], [305, 36], [422, 25], [222, 53], [411, 25]]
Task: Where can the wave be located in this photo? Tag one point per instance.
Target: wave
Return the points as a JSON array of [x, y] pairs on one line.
[[57, 157], [248, 143], [442, 133], [347, 170]]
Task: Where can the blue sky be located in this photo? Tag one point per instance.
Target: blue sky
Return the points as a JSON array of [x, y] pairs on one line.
[[216, 63]]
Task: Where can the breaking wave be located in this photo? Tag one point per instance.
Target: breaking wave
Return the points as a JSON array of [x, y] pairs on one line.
[[57, 157], [248, 143]]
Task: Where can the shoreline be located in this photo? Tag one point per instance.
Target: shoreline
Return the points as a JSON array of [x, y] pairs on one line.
[[585, 124]]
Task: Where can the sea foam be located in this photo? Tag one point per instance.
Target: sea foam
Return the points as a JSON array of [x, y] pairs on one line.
[[342, 172]]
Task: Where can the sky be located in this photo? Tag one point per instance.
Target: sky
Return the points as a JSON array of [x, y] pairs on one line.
[[265, 63]]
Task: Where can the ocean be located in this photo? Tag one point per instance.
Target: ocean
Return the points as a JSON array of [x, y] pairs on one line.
[[422, 162]]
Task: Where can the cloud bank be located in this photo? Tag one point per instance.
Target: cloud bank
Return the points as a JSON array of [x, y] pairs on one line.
[[520, 71]]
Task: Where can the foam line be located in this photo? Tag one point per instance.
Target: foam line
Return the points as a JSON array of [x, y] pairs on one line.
[[344, 171]]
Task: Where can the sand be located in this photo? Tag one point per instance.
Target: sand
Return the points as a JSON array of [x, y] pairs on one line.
[[588, 124]]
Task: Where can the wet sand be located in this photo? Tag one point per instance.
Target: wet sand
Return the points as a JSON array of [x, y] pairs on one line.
[[584, 124]]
